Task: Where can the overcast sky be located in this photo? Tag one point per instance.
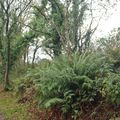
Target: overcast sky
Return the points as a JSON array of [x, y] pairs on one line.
[[113, 21]]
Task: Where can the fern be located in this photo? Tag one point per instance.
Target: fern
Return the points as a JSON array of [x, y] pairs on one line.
[[52, 102], [69, 82]]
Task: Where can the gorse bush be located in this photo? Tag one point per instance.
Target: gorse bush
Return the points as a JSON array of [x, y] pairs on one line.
[[71, 81]]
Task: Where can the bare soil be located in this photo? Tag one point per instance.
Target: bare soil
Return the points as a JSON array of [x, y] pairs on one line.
[[1, 117]]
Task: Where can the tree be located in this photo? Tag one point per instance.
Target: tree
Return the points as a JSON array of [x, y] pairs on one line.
[[53, 42], [110, 47], [11, 16], [67, 26], [36, 45]]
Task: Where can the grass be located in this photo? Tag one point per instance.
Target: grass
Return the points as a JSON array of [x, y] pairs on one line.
[[116, 119], [10, 108]]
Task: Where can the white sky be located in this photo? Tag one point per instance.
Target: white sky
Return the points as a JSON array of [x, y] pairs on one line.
[[113, 21]]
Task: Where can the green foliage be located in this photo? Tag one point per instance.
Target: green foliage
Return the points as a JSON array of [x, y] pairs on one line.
[[110, 46], [28, 76], [52, 102], [70, 81], [111, 88]]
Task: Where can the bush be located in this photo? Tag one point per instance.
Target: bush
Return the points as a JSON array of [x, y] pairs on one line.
[[71, 81], [27, 80], [111, 88]]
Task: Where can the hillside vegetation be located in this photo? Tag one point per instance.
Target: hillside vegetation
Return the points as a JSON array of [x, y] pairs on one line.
[[52, 65]]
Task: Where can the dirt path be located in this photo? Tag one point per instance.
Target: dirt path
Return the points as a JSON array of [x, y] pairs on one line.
[[1, 117]]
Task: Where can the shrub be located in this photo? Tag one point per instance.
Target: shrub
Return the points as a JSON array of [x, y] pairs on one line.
[[111, 88], [27, 80], [71, 81]]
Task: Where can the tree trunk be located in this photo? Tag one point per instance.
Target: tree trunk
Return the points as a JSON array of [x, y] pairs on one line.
[[7, 66], [75, 24], [27, 55], [24, 59], [34, 54]]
